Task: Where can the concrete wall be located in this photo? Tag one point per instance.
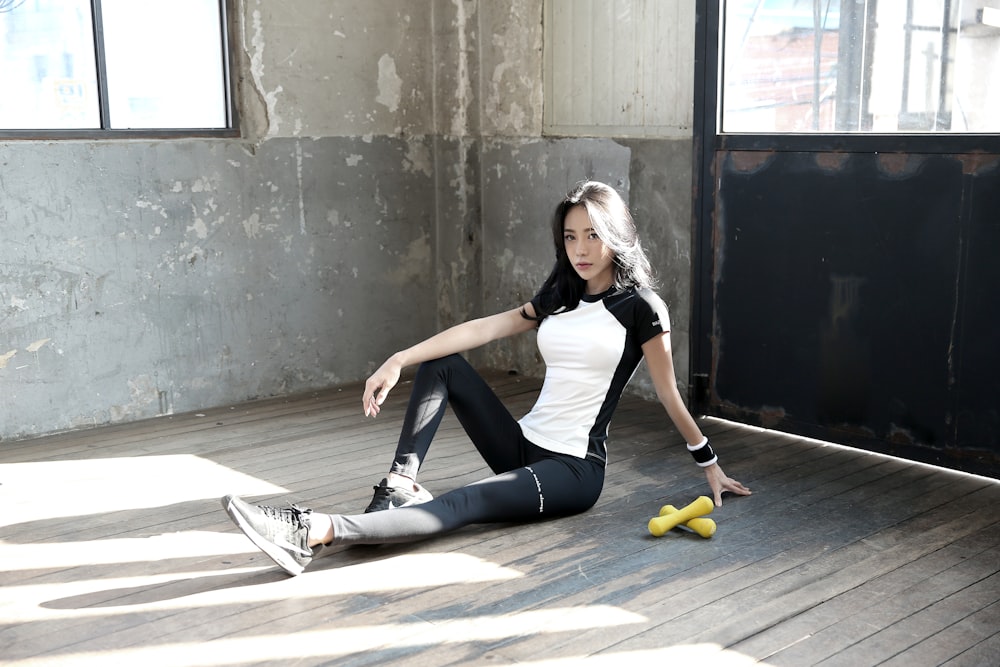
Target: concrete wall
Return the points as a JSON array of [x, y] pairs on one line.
[[392, 178]]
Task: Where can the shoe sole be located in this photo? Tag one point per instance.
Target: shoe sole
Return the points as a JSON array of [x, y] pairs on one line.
[[274, 552]]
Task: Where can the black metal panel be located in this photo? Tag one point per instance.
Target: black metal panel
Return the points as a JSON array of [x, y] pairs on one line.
[[977, 358], [845, 284], [852, 299]]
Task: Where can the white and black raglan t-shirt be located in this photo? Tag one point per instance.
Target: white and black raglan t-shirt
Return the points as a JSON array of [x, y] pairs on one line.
[[590, 354]]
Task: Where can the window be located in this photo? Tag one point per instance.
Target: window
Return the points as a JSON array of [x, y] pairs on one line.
[[114, 65], [828, 66]]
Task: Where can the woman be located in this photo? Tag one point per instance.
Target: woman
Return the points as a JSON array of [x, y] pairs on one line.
[[597, 317]]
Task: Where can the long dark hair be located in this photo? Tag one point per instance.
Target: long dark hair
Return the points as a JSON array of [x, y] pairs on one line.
[[614, 225]]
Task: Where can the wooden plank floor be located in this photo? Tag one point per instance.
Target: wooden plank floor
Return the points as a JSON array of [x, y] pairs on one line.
[[114, 550]]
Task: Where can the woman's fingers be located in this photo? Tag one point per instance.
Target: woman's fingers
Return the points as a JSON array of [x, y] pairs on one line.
[[373, 405]]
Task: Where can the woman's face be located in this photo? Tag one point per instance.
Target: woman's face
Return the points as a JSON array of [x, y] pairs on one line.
[[592, 260]]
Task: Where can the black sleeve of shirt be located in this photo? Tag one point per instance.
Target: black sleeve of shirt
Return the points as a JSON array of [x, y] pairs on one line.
[[651, 317]]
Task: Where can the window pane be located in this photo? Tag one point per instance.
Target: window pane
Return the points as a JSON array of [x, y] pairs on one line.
[[47, 74], [164, 63], [860, 66]]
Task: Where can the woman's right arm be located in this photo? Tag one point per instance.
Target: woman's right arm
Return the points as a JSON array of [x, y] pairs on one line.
[[458, 338]]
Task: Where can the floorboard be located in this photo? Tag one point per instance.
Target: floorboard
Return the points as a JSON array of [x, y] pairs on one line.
[[114, 550]]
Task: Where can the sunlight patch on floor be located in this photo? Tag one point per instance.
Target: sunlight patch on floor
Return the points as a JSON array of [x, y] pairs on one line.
[[58, 489], [119, 551], [345, 641], [97, 598]]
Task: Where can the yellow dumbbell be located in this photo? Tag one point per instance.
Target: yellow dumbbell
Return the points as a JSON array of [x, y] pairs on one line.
[[671, 517], [701, 525]]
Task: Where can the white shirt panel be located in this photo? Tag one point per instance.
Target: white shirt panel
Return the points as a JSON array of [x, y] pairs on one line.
[[582, 348]]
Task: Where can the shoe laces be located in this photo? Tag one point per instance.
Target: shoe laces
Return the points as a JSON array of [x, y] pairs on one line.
[[382, 498], [293, 514]]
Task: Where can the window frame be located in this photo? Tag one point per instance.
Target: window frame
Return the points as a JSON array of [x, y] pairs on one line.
[[227, 10], [847, 142]]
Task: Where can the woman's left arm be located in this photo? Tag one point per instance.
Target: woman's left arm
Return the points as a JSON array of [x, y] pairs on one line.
[[660, 361]]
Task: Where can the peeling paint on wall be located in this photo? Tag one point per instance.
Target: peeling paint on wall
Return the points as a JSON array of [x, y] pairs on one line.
[[199, 228], [37, 345], [299, 189], [463, 87], [513, 99], [389, 83], [414, 265], [143, 393], [460, 120], [418, 158], [256, 55], [155, 208], [252, 226]]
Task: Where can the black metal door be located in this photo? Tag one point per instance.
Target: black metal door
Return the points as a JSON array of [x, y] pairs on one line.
[[847, 286]]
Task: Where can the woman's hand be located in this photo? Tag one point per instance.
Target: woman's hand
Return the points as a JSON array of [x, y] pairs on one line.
[[720, 482], [379, 384]]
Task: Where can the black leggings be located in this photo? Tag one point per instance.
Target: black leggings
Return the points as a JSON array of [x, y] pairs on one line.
[[528, 483]]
